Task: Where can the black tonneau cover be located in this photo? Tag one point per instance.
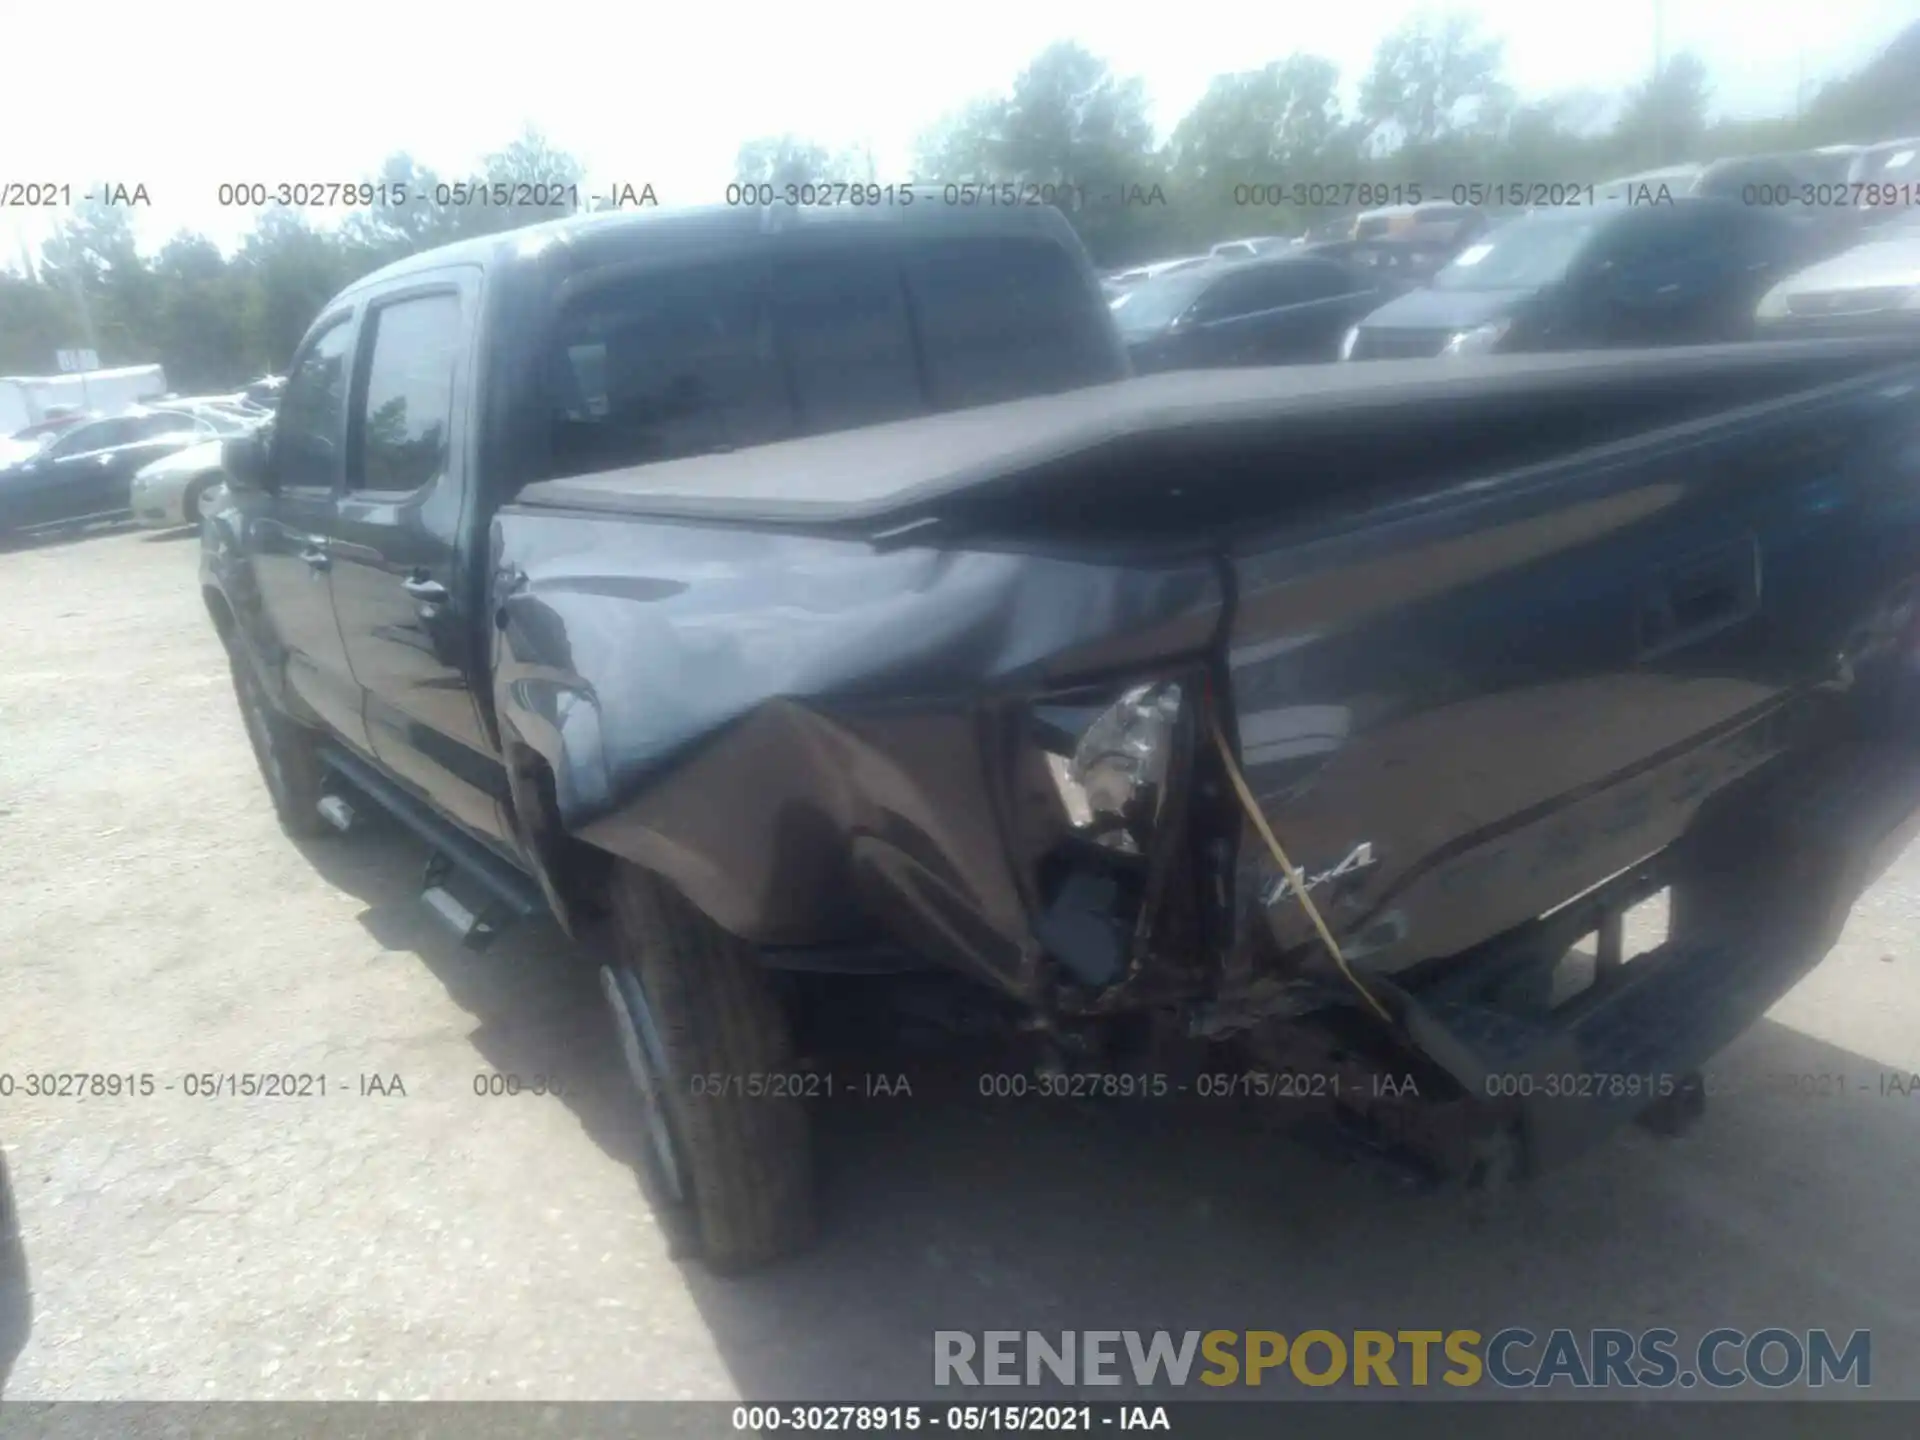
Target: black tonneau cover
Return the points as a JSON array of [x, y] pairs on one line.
[[864, 475]]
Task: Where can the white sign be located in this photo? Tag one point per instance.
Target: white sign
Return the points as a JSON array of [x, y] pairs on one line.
[[72, 361]]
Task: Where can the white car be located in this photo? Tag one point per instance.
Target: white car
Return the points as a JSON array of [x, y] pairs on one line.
[[174, 491], [1873, 286]]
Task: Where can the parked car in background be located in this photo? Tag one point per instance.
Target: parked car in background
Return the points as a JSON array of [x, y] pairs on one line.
[[1597, 276], [29, 438], [178, 488], [235, 407], [1433, 223], [1889, 177], [1118, 281], [1827, 164], [13, 450], [1875, 285], [1290, 307], [1890, 162], [1251, 248], [1747, 179], [84, 474], [265, 392], [1399, 263]]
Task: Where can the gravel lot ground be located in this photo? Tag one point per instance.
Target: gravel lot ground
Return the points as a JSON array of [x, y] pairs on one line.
[[438, 1244]]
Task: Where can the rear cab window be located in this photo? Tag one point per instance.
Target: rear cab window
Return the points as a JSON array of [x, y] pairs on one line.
[[703, 359]]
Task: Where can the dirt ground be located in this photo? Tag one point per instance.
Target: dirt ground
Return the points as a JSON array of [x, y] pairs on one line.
[[445, 1244]]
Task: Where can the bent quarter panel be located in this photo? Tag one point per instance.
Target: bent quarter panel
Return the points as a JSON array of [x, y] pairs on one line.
[[736, 709]]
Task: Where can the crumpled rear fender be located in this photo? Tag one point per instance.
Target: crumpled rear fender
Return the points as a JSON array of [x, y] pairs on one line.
[[799, 730]]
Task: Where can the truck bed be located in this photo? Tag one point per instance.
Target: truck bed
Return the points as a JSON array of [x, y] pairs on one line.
[[1505, 626], [858, 477]]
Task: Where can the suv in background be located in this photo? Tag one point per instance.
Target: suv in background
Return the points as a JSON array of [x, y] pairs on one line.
[[1685, 272], [1251, 248], [1290, 307]]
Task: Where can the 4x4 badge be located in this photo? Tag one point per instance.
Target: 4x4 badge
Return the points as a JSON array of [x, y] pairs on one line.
[[1359, 858]]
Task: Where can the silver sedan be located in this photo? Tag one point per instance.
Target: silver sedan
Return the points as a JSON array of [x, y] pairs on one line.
[[172, 491]]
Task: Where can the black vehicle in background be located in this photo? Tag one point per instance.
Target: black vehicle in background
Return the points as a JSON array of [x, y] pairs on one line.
[[1688, 271], [265, 392], [1399, 262], [1258, 312], [83, 474], [58, 418]]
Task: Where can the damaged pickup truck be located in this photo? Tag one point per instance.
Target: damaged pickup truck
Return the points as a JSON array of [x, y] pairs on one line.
[[765, 596]]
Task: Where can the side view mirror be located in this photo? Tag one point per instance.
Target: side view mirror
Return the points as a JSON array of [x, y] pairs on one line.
[[244, 458]]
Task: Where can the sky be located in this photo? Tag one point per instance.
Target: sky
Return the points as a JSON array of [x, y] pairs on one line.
[[182, 97]]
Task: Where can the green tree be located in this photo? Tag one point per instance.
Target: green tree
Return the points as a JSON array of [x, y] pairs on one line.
[[36, 321], [1666, 116], [199, 331], [94, 260], [1881, 100], [531, 166], [780, 160], [1071, 123], [1433, 77], [1274, 126], [289, 270]]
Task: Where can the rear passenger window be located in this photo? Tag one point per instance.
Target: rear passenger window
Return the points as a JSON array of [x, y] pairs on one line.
[[1004, 319], [668, 366], [404, 418], [313, 410], [842, 321]]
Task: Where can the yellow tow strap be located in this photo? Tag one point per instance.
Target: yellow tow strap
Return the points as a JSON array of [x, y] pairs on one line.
[[1294, 878]]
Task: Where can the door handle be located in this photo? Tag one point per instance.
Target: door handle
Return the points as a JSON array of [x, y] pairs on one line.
[[426, 591], [316, 557], [1693, 601]]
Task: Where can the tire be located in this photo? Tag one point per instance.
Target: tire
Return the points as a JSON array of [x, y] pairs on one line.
[[190, 502], [287, 753], [731, 1174]]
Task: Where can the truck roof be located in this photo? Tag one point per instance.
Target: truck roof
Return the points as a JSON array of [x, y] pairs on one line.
[[860, 475], [612, 235]]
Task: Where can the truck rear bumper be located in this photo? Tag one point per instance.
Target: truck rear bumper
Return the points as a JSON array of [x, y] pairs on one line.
[[1761, 891]]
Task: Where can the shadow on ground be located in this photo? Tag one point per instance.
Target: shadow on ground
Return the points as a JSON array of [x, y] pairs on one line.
[[1786, 1206], [59, 536], [16, 1288]]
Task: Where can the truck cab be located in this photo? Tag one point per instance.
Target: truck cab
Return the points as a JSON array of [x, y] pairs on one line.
[[355, 570]]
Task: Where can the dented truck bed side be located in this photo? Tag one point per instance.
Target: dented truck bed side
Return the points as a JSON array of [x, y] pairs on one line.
[[1483, 636]]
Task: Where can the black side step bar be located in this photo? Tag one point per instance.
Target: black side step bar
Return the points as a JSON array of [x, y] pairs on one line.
[[511, 894]]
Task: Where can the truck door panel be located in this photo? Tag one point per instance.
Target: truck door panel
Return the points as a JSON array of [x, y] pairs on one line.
[[397, 578], [287, 533]]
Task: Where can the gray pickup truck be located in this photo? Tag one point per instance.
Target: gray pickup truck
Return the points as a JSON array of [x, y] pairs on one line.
[[780, 601]]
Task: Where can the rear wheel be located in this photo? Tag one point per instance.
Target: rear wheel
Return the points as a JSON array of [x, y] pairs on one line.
[[725, 1147], [190, 502], [287, 752]]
